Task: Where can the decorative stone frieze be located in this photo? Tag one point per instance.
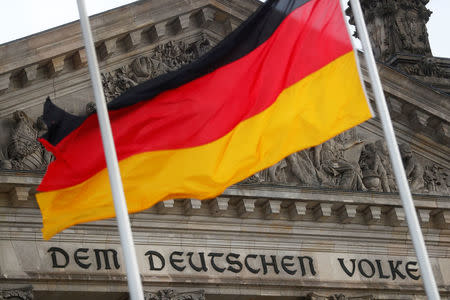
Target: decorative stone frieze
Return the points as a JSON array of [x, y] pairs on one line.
[[164, 58], [314, 296], [21, 149], [170, 294], [399, 37], [396, 26], [25, 293], [349, 163]]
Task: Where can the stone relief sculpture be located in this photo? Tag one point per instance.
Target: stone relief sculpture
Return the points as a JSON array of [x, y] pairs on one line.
[[376, 167], [346, 162], [437, 179], [173, 295], [21, 149], [25, 293], [331, 164], [314, 296], [164, 58], [397, 26], [335, 169], [414, 170]]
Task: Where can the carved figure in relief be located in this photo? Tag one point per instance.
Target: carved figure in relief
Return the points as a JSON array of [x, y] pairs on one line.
[[376, 167], [338, 170], [202, 46], [381, 149], [170, 294], [164, 58], [437, 179], [158, 65], [414, 170], [332, 164], [23, 151], [396, 26], [302, 168], [141, 69], [374, 173], [275, 173]]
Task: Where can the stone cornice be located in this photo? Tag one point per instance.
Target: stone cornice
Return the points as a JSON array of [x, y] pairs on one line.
[[49, 53], [288, 211], [414, 105], [117, 22]]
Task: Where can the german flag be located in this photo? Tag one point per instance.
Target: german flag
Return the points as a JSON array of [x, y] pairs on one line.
[[283, 81]]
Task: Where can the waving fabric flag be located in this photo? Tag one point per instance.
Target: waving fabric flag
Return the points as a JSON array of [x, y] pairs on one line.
[[283, 81]]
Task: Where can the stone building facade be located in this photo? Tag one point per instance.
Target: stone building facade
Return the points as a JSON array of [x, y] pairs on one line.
[[324, 223]]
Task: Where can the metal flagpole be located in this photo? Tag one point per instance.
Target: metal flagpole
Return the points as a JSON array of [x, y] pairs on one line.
[[394, 153], [126, 238]]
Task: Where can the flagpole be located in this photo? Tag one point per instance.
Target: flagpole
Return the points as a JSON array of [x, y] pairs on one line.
[[120, 205], [394, 153]]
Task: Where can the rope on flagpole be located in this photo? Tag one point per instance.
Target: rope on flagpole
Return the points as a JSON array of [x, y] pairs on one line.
[[394, 153], [120, 205]]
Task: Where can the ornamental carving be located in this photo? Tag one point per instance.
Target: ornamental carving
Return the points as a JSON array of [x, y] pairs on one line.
[[349, 163], [426, 66], [174, 295], [17, 294], [164, 58], [20, 149], [334, 163], [314, 296], [396, 26]]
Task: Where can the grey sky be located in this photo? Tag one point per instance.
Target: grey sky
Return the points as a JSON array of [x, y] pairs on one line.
[[20, 18]]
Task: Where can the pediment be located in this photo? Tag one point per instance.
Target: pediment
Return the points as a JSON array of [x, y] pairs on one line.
[[147, 39]]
